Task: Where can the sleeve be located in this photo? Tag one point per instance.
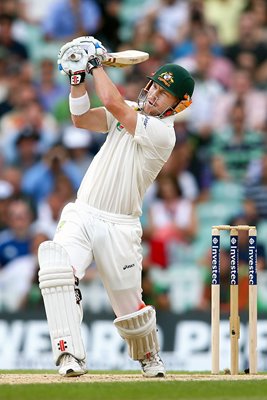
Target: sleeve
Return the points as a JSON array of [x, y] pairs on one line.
[[156, 138], [110, 119]]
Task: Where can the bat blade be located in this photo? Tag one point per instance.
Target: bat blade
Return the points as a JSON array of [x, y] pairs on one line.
[[119, 59], [125, 58]]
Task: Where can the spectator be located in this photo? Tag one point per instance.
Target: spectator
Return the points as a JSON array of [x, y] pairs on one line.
[[238, 145], [256, 187], [19, 96], [192, 152], [12, 85], [3, 78], [207, 93], [67, 19], [15, 294], [13, 176], [189, 46], [135, 82], [142, 35], [39, 181], [160, 51], [29, 116], [259, 9], [154, 293], [196, 23], [77, 142], [222, 187], [218, 66], [50, 92], [178, 165], [243, 89], [17, 52], [49, 210], [26, 149], [9, 7], [248, 216], [224, 15], [6, 193], [248, 44], [109, 29], [30, 11], [171, 218], [170, 18], [15, 240]]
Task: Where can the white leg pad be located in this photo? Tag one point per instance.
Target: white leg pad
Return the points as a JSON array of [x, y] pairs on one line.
[[56, 281], [140, 332]]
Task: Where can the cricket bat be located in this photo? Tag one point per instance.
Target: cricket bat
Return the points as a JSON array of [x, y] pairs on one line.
[[125, 58], [121, 59]]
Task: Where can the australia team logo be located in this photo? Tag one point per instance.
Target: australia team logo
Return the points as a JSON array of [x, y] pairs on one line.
[[166, 78]]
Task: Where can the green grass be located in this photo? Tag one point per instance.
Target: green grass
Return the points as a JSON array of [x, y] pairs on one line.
[[159, 390]]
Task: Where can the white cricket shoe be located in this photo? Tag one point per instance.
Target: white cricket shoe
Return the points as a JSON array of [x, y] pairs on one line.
[[153, 367], [70, 366]]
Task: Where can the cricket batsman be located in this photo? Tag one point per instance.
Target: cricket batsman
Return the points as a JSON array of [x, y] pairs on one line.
[[103, 223]]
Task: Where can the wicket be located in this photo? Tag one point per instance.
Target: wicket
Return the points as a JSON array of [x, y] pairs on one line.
[[234, 314]]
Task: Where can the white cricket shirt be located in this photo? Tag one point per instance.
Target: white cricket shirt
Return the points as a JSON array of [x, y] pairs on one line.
[[126, 165]]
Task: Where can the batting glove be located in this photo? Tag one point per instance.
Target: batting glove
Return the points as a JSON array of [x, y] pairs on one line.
[[92, 46], [72, 61], [93, 62], [183, 104], [95, 50]]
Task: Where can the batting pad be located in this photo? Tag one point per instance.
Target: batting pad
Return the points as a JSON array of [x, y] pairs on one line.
[[140, 332], [56, 281]]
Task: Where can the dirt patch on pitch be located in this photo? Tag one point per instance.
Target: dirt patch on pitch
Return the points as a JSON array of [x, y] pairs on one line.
[[15, 379]]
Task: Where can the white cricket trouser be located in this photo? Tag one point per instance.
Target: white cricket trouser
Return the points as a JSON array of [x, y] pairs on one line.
[[114, 242]]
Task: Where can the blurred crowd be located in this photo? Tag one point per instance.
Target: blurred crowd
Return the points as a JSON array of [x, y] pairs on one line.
[[217, 173]]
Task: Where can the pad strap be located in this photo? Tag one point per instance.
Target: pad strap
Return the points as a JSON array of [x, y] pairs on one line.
[[64, 314], [140, 332]]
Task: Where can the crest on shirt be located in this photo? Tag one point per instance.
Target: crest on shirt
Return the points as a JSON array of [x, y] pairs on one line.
[[120, 127], [166, 78]]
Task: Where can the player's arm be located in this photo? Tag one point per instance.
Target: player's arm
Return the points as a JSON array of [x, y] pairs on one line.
[[93, 119], [75, 60], [72, 61], [113, 101]]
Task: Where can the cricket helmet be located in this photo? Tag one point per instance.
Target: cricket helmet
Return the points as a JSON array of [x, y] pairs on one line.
[[174, 79]]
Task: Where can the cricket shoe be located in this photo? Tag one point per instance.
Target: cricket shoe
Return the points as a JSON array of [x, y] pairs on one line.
[[70, 366], [153, 367]]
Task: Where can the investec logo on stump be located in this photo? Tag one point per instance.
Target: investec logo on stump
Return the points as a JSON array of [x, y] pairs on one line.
[[215, 273], [233, 261], [252, 254]]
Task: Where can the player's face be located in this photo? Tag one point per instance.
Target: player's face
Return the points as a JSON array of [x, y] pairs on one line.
[[158, 100]]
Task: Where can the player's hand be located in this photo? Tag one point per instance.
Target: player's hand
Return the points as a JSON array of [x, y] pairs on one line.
[[92, 46], [93, 62], [72, 60], [184, 104]]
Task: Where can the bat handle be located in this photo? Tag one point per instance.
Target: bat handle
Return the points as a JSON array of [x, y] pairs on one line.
[[75, 57]]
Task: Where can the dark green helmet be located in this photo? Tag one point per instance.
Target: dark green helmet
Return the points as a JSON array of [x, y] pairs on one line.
[[175, 80]]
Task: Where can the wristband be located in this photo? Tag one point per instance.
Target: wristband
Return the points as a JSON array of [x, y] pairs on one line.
[[79, 105]]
